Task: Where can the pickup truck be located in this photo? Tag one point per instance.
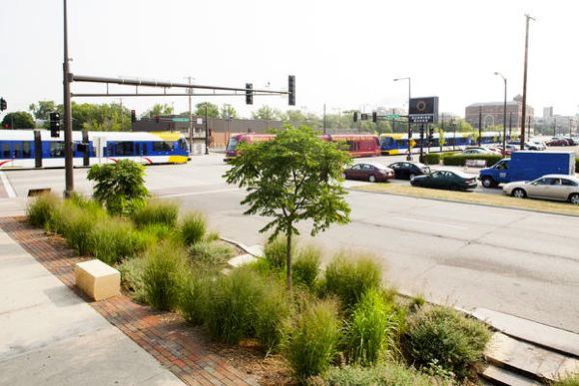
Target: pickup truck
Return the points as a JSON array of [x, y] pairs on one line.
[[526, 166]]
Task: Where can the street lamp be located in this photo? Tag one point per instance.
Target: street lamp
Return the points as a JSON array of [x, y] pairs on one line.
[[504, 112], [409, 156]]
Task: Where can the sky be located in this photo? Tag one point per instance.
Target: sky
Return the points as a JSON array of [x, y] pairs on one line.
[[344, 54]]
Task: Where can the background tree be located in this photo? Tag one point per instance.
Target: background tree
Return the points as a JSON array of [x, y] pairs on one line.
[[18, 120], [441, 137], [227, 111], [158, 109], [294, 177], [42, 109], [267, 113], [212, 110]]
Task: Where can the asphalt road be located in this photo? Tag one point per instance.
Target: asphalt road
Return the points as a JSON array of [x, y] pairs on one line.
[[514, 261]]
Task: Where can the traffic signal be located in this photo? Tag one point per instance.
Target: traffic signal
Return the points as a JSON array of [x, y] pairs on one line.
[[355, 118], [249, 93], [54, 125], [364, 117], [374, 116], [133, 116], [430, 135], [409, 133], [3, 104], [291, 88]]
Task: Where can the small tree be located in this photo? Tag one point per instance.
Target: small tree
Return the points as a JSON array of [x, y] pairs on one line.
[[18, 120], [119, 186], [441, 137], [294, 177]]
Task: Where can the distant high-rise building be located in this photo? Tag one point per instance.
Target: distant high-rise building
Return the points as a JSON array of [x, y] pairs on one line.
[[548, 112]]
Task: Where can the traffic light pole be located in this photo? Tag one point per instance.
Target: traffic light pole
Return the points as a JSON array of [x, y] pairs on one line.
[[68, 166], [421, 158]]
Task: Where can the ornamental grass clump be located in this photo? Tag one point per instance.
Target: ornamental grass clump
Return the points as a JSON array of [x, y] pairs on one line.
[[442, 338], [211, 254], [306, 266], [312, 339], [371, 329], [231, 309], [76, 223], [42, 209], [132, 272], [349, 278], [163, 277], [192, 228], [271, 314], [194, 296], [115, 239], [275, 253], [156, 212]]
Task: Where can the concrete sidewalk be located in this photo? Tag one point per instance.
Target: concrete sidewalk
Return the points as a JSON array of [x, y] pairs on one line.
[[50, 336]]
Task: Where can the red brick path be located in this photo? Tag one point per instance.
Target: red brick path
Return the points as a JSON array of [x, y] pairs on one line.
[[165, 336]]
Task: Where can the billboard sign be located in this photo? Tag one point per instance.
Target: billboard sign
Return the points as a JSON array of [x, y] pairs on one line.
[[423, 110]]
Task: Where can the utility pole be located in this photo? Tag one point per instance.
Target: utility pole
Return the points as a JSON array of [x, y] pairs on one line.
[[554, 126], [206, 132], [189, 78], [66, 79], [510, 124], [324, 118], [525, 81], [479, 124], [529, 127]]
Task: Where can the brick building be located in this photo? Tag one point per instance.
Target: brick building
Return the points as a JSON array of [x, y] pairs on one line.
[[492, 113]]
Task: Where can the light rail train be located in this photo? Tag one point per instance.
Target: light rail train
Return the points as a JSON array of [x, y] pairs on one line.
[[397, 143]]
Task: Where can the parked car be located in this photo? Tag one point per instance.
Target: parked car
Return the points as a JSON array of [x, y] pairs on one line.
[[558, 142], [409, 170], [369, 171], [477, 150], [526, 166], [536, 144], [559, 187], [445, 179]]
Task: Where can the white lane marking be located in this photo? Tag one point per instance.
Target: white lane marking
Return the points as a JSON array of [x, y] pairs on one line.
[[429, 222], [198, 193], [7, 186]]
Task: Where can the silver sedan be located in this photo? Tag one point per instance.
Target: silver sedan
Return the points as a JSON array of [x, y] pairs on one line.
[[559, 187]]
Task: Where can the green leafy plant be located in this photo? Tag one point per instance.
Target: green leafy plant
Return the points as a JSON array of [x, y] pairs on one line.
[[446, 338], [164, 274], [568, 380], [371, 328], [119, 186], [211, 254], [193, 228], [41, 209], [156, 212], [384, 374], [307, 266], [292, 178], [132, 271], [312, 339], [350, 278]]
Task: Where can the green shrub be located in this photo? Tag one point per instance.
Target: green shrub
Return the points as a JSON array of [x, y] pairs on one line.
[[164, 274], [271, 313], [432, 158], [275, 252], [569, 380], [132, 271], [385, 374], [42, 209], [349, 279], [460, 159], [306, 266], [194, 296], [156, 212], [231, 311], [370, 329], [312, 339], [120, 187], [115, 239], [211, 254], [442, 337], [193, 228]]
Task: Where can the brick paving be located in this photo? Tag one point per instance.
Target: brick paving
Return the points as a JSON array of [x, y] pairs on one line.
[[163, 335]]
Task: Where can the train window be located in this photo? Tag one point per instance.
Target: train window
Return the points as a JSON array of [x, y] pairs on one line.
[[351, 145], [6, 150], [125, 148], [162, 146], [56, 149], [26, 149], [17, 149]]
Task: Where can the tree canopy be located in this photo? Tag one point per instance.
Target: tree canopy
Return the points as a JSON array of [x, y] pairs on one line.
[[42, 109], [212, 110], [228, 111], [158, 109], [18, 120], [292, 178]]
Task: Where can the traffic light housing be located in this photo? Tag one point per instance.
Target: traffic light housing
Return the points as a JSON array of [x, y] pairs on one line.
[[374, 116], [355, 117], [133, 116], [364, 117], [249, 93], [291, 88], [3, 104], [54, 125], [430, 135]]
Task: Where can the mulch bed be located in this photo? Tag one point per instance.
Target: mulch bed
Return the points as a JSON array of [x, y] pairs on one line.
[[184, 350]]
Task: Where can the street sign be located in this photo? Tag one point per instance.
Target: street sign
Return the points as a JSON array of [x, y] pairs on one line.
[[178, 119], [392, 116], [423, 110]]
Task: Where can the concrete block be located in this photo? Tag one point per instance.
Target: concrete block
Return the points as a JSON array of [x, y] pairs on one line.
[[97, 279]]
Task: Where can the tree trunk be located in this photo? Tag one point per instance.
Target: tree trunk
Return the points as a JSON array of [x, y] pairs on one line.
[[289, 260]]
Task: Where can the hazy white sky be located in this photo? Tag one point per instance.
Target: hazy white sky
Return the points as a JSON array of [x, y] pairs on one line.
[[343, 53]]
